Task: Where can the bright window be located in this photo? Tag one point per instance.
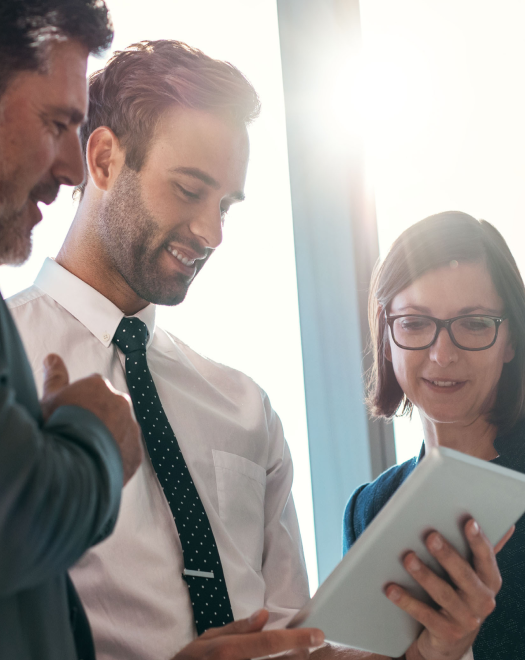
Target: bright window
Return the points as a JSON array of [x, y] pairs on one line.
[[446, 103]]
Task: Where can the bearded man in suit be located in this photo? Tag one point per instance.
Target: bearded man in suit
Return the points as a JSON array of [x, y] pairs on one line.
[[62, 463]]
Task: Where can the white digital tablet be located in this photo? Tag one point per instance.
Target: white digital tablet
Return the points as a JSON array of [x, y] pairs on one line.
[[444, 490]]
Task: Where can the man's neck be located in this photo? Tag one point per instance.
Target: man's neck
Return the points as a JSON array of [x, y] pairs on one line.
[[83, 256]]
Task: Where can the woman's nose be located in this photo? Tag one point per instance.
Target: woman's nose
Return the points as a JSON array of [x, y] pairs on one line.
[[443, 351]]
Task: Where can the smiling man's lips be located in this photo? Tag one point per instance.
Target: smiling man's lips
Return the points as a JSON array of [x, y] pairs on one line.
[[186, 257], [44, 199], [47, 199], [45, 192], [188, 267], [37, 211]]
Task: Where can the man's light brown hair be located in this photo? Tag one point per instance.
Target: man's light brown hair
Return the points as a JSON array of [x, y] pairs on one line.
[[131, 93], [433, 243]]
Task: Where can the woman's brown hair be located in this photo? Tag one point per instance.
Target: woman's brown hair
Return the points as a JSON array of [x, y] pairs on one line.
[[432, 243]]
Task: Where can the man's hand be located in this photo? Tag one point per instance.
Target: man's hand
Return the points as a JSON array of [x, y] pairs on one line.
[[97, 395], [245, 639], [451, 629]]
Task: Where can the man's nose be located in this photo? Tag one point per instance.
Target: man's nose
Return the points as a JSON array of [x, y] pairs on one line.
[[207, 226], [443, 351], [68, 168]]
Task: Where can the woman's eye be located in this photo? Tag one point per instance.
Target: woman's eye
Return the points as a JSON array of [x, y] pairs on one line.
[[476, 325], [415, 325]]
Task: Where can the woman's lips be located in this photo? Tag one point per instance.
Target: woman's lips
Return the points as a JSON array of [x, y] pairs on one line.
[[444, 386]]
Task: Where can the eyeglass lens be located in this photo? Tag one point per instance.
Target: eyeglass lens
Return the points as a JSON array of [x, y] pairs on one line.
[[468, 331]]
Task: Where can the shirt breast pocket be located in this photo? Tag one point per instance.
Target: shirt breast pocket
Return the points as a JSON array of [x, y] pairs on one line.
[[241, 486]]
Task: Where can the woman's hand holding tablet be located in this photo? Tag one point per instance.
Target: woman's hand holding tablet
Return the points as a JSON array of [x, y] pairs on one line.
[[450, 631], [444, 602]]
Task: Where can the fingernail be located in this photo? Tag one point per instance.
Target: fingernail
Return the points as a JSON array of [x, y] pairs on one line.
[[435, 542], [316, 638], [413, 563], [394, 594], [49, 360], [474, 528], [254, 616]]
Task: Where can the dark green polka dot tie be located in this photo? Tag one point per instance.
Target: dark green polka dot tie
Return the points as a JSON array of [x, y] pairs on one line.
[[202, 563]]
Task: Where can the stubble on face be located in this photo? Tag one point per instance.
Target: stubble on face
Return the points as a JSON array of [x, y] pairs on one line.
[[16, 224], [15, 239], [133, 243]]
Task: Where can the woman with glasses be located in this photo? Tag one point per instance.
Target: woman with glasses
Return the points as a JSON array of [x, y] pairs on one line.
[[447, 319]]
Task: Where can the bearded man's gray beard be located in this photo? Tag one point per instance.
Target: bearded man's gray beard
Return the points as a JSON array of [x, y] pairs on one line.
[[15, 240], [16, 225]]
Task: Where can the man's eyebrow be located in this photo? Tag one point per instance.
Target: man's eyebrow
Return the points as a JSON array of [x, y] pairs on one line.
[[73, 114], [197, 173]]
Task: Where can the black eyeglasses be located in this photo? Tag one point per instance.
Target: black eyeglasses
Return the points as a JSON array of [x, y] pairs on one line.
[[414, 332]]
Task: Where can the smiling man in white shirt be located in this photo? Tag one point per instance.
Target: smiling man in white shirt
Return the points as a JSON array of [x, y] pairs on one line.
[[166, 148]]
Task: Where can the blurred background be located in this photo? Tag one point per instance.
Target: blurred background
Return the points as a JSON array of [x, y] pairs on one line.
[[375, 115]]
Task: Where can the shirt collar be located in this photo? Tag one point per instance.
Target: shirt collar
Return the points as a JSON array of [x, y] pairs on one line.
[[98, 314]]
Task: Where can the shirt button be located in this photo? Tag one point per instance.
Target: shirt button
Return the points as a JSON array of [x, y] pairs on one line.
[[106, 337]]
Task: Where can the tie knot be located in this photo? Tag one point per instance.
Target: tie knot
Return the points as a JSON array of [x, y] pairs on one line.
[[131, 335]]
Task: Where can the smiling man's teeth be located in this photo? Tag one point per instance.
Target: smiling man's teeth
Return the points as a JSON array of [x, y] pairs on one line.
[[178, 255], [444, 383]]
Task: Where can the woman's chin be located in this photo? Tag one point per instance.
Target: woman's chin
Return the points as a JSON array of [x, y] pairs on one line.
[[438, 415]]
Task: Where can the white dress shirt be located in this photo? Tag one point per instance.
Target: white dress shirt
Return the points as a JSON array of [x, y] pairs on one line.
[[233, 443]]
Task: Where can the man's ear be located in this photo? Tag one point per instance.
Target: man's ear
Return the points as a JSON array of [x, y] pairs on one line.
[[104, 157]]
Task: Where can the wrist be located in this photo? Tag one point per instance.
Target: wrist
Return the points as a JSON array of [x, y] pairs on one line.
[[412, 653]]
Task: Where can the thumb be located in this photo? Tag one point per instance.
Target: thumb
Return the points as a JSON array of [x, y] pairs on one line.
[[55, 375], [254, 623]]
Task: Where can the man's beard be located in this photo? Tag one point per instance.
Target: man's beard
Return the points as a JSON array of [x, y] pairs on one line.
[[16, 225], [133, 243], [15, 239]]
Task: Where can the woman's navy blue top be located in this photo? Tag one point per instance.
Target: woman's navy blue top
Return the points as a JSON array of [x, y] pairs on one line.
[[502, 635]]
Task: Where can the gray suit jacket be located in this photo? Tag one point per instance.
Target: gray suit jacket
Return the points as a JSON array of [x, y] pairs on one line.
[[60, 486]]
